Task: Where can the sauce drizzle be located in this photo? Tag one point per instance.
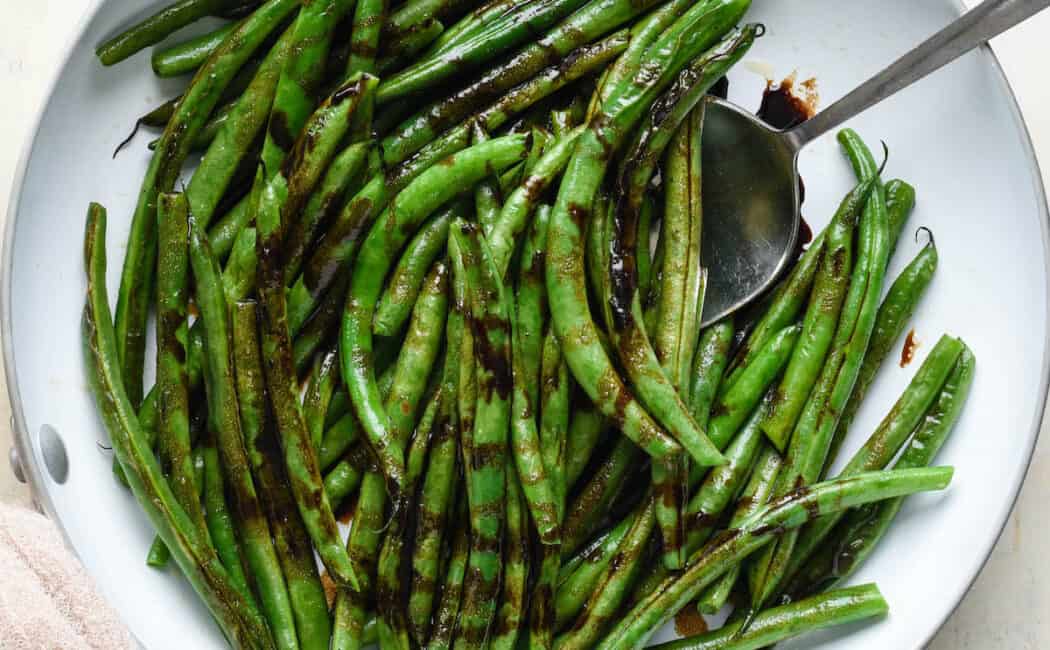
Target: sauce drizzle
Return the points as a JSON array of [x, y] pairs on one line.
[[908, 351]]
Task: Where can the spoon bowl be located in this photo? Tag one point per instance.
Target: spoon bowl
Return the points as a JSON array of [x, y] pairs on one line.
[[751, 204]]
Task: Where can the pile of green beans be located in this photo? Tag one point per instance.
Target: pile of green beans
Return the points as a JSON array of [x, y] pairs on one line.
[[412, 281]]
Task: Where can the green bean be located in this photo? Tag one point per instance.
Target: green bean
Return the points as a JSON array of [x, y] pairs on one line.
[[681, 297], [473, 22], [513, 218], [322, 327], [585, 429], [387, 235], [419, 352], [858, 154], [527, 335], [592, 502], [669, 480], [224, 416], [513, 602], [444, 627], [399, 52], [345, 431], [487, 201], [506, 32], [364, 44], [643, 252], [554, 416], [733, 407], [596, 256], [541, 137], [709, 364], [898, 306], [414, 15], [860, 530], [301, 77], [173, 430], [341, 175], [892, 432], [821, 318], [337, 439], [216, 122], [291, 541], [724, 482], [634, 629], [156, 28], [434, 509], [300, 456], [237, 616], [392, 624], [490, 320], [570, 116], [780, 623], [614, 585], [238, 278], [402, 289], [466, 377], [541, 603], [581, 577], [350, 621], [900, 200], [406, 388], [158, 555], [220, 524], [341, 482], [204, 92], [756, 494], [318, 395], [787, 303], [189, 55], [363, 547]]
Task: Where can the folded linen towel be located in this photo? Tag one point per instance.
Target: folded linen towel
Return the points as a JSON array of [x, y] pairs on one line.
[[47, 599]]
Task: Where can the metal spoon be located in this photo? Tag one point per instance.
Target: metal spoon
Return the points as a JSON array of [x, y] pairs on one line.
[[751, 194]]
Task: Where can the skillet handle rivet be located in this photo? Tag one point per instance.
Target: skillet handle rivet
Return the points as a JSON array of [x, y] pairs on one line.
[[16, 465]]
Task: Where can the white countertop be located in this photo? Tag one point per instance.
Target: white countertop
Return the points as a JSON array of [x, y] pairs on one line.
[[1008, 607]]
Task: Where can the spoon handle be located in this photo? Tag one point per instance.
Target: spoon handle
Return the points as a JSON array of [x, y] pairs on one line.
[[975, 27]]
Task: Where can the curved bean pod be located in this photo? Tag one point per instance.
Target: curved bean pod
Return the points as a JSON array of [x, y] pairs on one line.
[[187, 56], [402, 289], [513, 218], [157, 27]]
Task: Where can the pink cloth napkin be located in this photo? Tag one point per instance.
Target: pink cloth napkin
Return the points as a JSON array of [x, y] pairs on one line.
[[47, 599]]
